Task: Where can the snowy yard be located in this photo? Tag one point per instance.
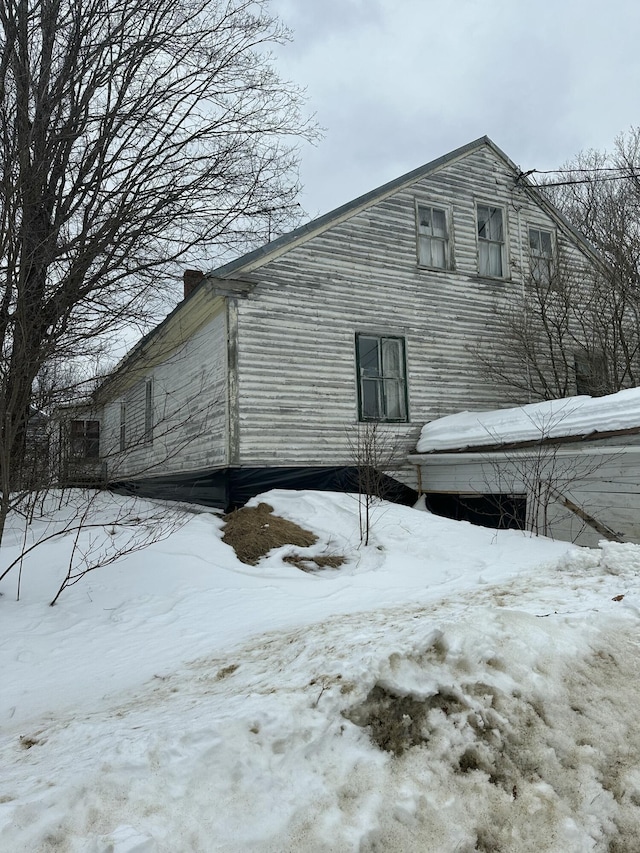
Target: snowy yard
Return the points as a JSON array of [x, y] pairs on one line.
[[448, 689]]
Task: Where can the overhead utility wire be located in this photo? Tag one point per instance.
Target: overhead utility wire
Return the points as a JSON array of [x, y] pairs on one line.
[[588, 181], [593, 177]]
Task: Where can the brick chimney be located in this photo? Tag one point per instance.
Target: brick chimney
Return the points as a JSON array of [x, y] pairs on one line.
[[191, 279]]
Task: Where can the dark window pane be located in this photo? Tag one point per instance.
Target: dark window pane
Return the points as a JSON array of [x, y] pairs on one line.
[[368, 356], [534, 240], [371, 408], [424, 219], [439, 227], [394, 399], [495, 225]]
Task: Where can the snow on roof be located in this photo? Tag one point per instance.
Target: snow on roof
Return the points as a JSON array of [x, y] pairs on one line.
[[572, 416]]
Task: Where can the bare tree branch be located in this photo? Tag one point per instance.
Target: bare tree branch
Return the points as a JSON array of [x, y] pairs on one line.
[[131, 134]]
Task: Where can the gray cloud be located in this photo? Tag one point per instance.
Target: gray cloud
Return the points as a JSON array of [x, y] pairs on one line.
[[399, 83]]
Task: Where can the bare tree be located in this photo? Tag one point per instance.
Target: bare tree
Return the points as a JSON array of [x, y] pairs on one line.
[[131, 132], [576, 327], [599, 193], [98, 530], [572, 330]]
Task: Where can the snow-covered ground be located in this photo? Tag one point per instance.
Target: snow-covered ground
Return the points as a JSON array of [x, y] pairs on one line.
[[449, 688]]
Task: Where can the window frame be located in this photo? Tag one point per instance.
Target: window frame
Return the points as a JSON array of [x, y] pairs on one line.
[[447, 240], [484, 241], [148, 412], [590, 371], [546, 280], [382, 378], [123, 426], [87, 440]]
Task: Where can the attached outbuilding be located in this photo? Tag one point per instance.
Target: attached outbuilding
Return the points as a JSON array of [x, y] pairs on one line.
[[566, 468]]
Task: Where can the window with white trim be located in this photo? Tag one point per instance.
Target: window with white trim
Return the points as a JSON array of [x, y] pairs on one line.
[[541, 253], [148, 411], [123, 426], [382, 382], [491, 245], [433, 237]]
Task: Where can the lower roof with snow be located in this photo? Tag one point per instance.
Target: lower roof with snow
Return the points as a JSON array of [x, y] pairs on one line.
[[552, 419]]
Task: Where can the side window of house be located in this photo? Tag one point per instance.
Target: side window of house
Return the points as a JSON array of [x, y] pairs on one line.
[[433, 237], [491, 246], [541, 254], [123, 426], [591, 374], [382, 382], [84, 439], [148, 411]]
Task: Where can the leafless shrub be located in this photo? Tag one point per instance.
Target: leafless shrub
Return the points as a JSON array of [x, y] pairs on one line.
[[372, 450]]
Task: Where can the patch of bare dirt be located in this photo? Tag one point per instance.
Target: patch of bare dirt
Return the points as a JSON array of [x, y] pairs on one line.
[[395, 723], [254, 531], [312, 564]]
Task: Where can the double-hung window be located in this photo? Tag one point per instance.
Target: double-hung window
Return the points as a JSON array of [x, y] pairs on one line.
[[491, 261], [382, 384], [541, 252], [433, 237], [84, 439]]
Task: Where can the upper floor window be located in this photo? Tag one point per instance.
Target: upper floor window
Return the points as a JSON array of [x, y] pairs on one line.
[[591, 374], [490, 241], [433, 237], [382, 383], [541, 252], [84, 439]]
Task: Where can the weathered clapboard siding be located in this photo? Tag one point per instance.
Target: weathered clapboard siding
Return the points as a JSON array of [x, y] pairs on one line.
[[257, 367], [599, 477], [189, 410], [296, 353]]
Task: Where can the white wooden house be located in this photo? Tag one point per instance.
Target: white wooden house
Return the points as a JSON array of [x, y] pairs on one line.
[[266, 371], [567, 468]]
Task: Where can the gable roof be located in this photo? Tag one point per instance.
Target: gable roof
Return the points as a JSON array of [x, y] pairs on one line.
[[256, 258], [226, 280]]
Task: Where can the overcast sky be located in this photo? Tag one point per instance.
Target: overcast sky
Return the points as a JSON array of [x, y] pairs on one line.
[[397, 83]]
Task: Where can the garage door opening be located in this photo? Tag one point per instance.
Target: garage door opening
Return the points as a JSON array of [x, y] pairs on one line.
[[501, 512]]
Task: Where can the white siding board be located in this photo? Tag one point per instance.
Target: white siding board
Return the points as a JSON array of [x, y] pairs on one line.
[[189, 411]]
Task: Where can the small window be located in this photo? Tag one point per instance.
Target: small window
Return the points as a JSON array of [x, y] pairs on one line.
[[490, 241], [433, 237], [148, 412], [123, 426], [382, 386], [591, 374], [84, 439], [541, 252]]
